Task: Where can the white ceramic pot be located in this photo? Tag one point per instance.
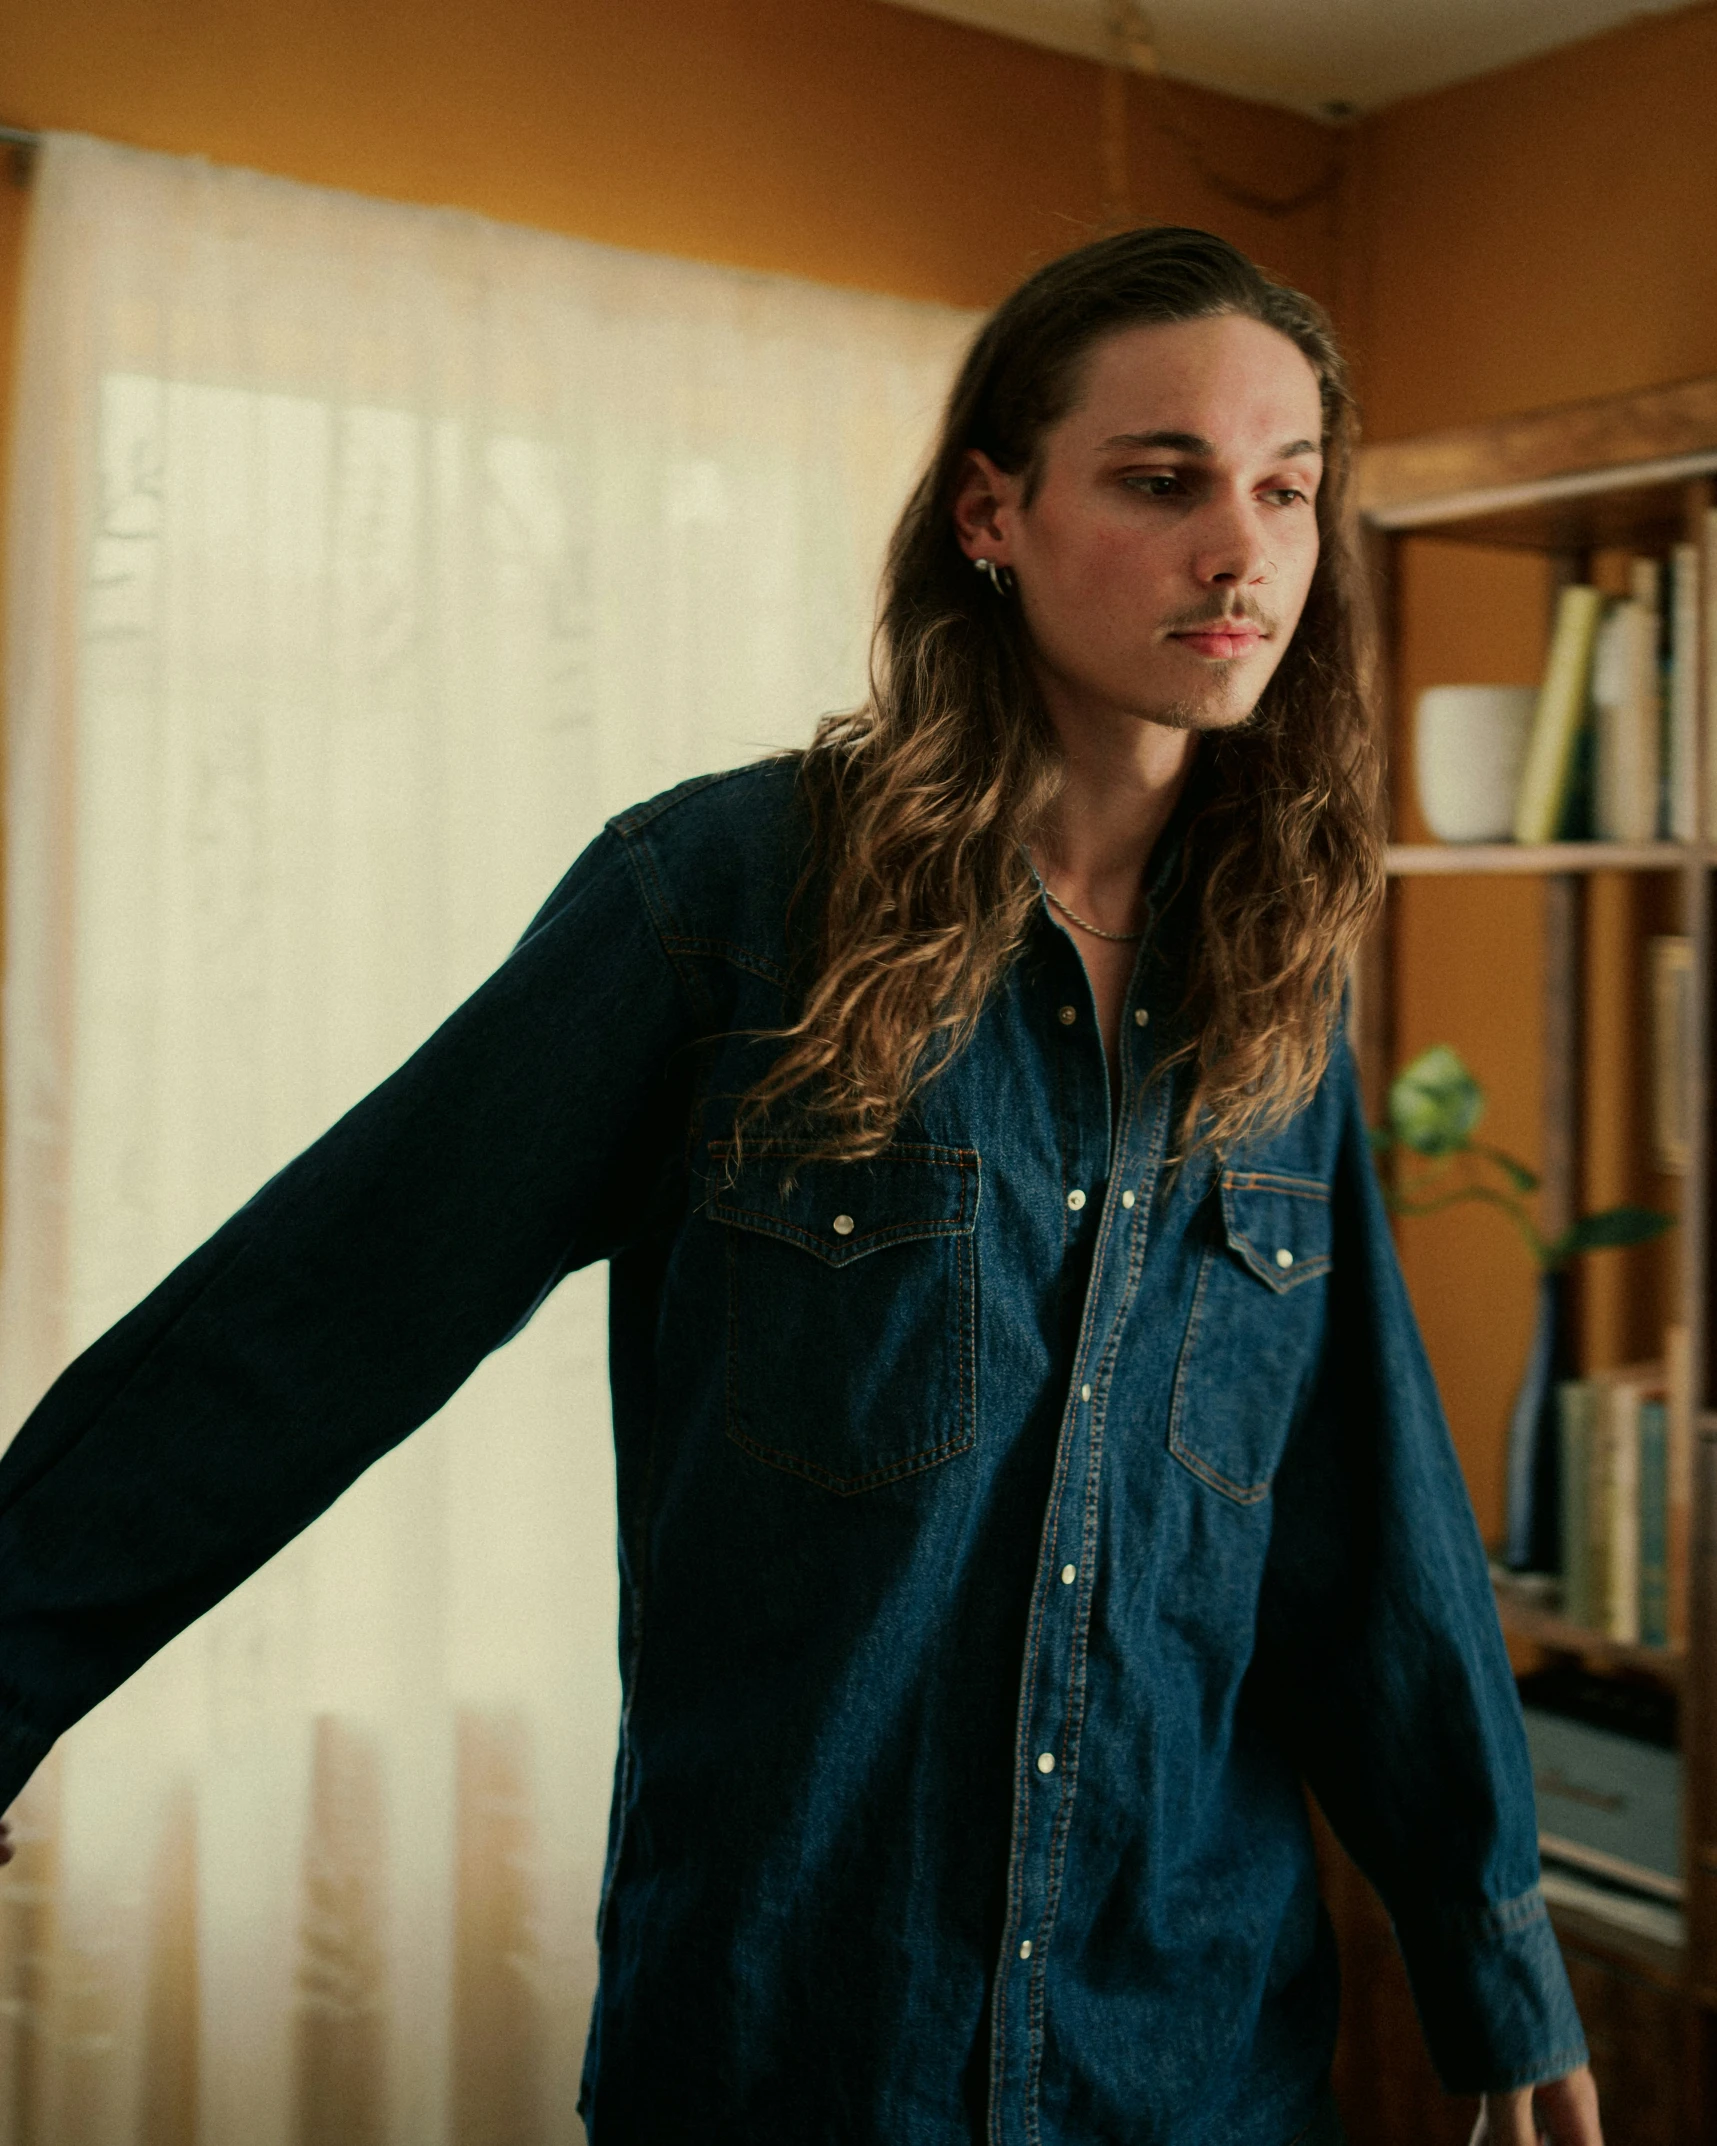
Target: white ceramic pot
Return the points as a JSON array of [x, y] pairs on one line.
[[1469, 747]]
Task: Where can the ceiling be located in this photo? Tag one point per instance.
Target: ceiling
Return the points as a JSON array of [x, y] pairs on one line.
[[1311, 55]]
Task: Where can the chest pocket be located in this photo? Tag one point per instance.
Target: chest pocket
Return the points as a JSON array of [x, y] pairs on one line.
[[1256, 1328], [851, 1310]]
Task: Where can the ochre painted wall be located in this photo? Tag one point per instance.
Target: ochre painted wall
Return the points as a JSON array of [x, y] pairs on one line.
[[841, 139], [1538, 236]]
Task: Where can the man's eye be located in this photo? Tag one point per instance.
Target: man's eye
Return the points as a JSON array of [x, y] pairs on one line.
[[1155, 484], [1286, 495]]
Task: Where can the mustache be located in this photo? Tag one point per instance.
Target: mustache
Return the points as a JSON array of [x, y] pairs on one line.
[[1242, 611]]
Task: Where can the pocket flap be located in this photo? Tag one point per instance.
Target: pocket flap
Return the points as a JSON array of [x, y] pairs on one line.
[[842, 1210], [1279, 1226]]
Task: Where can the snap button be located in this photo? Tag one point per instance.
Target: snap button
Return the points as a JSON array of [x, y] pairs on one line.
[[1284, 1258], [1140, 1016], [1067, 1016], [844, 1226], [1127, 1199], [1076, 1199], [1069, 1573], [1025, 1948], [1046, 1762], [1085, 1393]]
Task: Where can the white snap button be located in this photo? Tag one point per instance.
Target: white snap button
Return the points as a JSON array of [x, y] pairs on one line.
[[1046, 1762], [1085, 1393], [1069, 1573], [1025, 1948], [1067, 1016], [1127, 1198], [843, 1225], [1076, 1199], [1284, 1258], [1140, 1017]]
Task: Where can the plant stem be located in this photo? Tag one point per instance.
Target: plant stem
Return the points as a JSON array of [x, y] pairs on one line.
[[1402, 1204]]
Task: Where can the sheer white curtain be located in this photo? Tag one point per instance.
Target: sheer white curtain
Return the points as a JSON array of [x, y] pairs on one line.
[[363, 559]]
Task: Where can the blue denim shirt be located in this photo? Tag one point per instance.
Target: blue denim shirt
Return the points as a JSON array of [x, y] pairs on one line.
[[1008, 1526]]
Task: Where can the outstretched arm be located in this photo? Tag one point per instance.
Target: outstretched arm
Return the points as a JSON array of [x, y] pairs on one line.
[[340, 1307]]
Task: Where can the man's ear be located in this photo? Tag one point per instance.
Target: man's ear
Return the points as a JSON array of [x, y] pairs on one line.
[[985, 502]]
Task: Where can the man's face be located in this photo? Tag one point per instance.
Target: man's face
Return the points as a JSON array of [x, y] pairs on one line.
[[1165, 556]]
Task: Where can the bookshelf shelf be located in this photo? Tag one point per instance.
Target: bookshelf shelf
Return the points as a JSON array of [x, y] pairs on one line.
[[1544, 1628], [1455, 859]]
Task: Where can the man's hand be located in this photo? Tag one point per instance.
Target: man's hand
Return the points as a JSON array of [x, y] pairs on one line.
[[1565, 2111]]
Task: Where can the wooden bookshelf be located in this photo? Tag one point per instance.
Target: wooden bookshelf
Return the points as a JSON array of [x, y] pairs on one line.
[[1634, 473]]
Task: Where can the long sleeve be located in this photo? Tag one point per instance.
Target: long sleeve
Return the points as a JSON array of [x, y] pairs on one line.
[[1382, 1658], [341, 1306]]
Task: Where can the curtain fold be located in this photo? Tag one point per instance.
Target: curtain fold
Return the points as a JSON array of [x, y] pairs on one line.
[[362, 559]]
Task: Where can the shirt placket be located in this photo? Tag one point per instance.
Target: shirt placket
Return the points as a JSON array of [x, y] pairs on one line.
[[1108, 1199]]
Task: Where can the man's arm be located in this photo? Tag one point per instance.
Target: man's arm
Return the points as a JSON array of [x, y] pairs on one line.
[[1381, 1662], [340, 1307]]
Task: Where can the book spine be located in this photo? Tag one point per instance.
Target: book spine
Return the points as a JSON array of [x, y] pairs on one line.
[[1556, 720], [1600, 1503], [1708, 725], [1681, 739], [1653, 1548], [1574, 1399], [1613, 660], [1678, 1488], [1621, 1596], [1630, 739]]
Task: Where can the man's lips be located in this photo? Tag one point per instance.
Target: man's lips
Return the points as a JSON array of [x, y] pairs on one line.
[[1237, 639]]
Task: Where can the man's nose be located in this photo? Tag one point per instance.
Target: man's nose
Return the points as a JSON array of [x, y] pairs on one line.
[[1230, 549]]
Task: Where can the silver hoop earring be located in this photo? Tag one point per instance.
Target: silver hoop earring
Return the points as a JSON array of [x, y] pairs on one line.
[[1001, 577]]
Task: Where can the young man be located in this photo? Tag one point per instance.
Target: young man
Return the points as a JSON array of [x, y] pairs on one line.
[[1028, 1468]]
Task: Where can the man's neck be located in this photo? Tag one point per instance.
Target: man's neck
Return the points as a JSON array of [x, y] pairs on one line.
[[1122, 779]]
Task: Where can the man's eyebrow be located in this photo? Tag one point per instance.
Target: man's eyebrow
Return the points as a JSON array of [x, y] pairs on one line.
[[1193, 443]]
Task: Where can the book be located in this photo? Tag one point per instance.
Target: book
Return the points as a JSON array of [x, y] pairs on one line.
[[1627, 712], [1672, 1053], [1678, 1387], [1557, 718], [1612, 1493], [1652, 1562], [1681, 725], [1706, 746], [1575, 1402]]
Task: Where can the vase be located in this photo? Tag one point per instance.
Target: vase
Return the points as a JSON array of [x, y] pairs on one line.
[[1469, 746], [1533, 1542]]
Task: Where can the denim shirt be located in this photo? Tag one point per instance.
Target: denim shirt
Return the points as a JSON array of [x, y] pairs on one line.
[[1009, 1525]]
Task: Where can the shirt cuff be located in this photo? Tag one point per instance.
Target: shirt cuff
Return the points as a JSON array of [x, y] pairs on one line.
[[1492, 1994], [21, 1752]]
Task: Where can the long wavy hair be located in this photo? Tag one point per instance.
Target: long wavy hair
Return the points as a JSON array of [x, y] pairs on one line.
[[923, 801]]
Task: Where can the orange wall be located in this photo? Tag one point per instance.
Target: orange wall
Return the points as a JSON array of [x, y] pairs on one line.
[[1538, 236], [841, 139], [1545, 233]]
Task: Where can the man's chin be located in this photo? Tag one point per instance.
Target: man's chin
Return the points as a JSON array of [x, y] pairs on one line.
[[1202, 715]]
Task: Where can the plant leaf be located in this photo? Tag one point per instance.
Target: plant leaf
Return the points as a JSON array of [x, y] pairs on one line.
[[1614, 1227], [1435, 1102]]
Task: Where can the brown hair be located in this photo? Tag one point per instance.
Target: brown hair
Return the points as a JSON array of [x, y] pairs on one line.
[[923, 799]]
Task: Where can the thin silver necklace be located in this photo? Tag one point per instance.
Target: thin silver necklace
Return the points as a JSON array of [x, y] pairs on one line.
[[1085, 924]]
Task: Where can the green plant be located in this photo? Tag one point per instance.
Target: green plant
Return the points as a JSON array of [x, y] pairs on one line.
[[1435, 1106]]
